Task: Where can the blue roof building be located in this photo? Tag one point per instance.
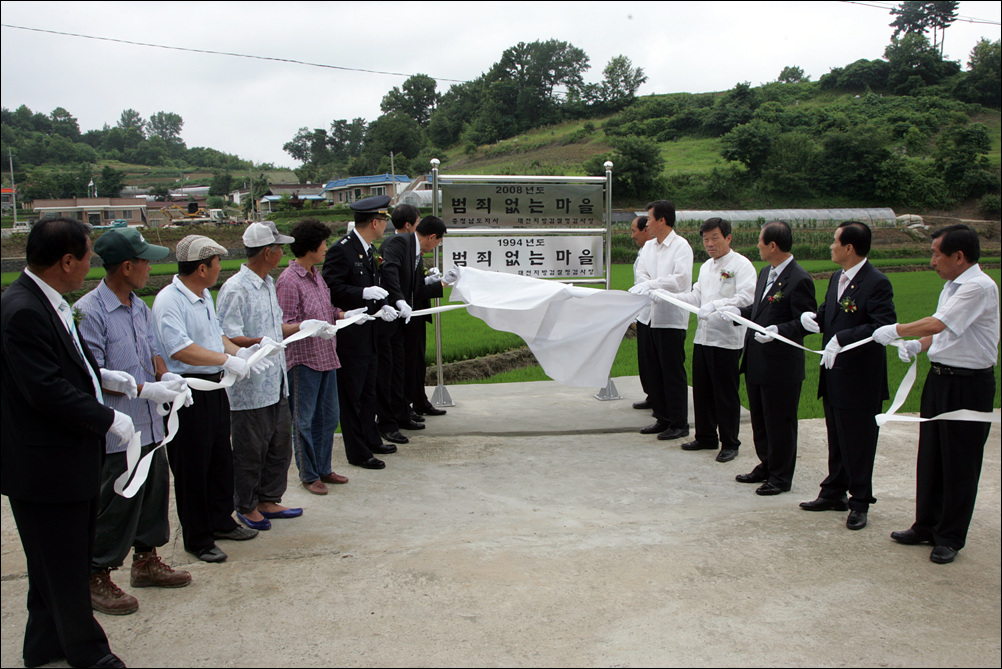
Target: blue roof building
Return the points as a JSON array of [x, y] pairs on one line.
[[343, 191]]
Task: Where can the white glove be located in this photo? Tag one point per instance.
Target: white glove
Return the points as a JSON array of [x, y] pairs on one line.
[[373, 293], [119, 382], [121, 429], [764, 338], [388, 313], [160, 393], [642, 288], [177, 383], [706, 311], [268, 341], [361, 311], [909, 349], [451, 277], [722, 312], [236, 366], [405, 310], [885, 334], [313, 322], [261, 365], [808, 320], [326, 331], [831, 350]]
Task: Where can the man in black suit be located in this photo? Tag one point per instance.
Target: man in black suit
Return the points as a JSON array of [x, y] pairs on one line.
[[404, 339], [417, 333], [351, 272], [54, 427], [854, 384], [774, 371]]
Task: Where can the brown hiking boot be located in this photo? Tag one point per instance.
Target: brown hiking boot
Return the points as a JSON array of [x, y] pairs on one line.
[[148, 570], [107, 597]]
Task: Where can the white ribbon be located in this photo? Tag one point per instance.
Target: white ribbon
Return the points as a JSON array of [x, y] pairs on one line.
[[438, 310], [138, 469], [899, 397]]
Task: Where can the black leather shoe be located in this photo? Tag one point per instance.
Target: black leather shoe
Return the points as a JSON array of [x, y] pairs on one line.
[[238, 533], [696, 446], [674, 433], [211, 554], [910, 537], [386, 449], [109, 661], [727, 454], [769, 489], [825, 504], [371, 463], [942, 555], [856, 520], [394, 437], [654, 428], [411, 425], [751, 477], [415, 416], [429, 410], [642, 405]]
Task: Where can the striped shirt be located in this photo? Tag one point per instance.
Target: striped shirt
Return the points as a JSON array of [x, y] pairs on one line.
[[304, 295], [121, 338]]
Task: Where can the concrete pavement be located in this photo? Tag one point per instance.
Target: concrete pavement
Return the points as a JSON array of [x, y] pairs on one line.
[[533, 526]]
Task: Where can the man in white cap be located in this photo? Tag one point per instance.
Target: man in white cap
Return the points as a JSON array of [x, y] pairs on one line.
[[192, 343], [260, 422]]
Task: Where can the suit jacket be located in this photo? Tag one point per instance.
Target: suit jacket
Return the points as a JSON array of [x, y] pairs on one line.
[[403, 277], [53, 425], [348, 271], [858, 380], [792, 294]]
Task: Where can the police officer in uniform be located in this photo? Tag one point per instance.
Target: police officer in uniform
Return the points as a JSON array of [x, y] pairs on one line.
[[351, 271]]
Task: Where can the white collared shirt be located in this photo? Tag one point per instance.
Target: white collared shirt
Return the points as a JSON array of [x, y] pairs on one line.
[[736, 290], [969, 308], [669, 265]]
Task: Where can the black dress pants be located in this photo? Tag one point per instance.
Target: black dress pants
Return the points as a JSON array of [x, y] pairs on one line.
[[950, 454], [356, 391], [58, 539], [716, 403], [392, 408], [202, 462], [669, 389], [774, 429], [852, 448]]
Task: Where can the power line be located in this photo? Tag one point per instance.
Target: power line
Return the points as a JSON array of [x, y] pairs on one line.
[[890, 6], [220, 53]]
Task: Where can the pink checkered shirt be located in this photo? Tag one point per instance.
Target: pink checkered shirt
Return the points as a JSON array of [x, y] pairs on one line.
[[304, 295]]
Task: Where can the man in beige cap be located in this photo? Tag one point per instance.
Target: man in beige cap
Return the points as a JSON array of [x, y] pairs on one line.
[[191, 341]]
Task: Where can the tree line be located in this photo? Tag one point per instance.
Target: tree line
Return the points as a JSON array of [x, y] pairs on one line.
[[54, 159]]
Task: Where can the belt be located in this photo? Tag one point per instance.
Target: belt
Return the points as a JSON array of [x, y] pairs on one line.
[[205, 377], [944, 370]]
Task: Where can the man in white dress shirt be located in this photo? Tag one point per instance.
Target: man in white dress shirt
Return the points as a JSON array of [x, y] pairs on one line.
[[961, 340], [665, 263], [641, 234], [727, 279]]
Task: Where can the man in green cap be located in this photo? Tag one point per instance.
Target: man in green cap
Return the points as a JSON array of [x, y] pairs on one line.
[[117, 326]]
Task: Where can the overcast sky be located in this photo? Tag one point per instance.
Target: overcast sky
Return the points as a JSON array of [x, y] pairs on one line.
[[251, 107]]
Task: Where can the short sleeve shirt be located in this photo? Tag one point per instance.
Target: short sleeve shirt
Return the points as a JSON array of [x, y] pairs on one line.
[[182, 318], [969, 308]]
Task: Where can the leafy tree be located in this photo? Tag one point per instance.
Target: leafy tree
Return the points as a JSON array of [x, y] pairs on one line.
[[166, 126], [396, 132], [910, 56], [63, 123], [749, 144], [222, 184], [299, 146], [346, 139], [792, 74], [110, 182], [960, 156], [982, 83], [417, 99], [621, 82], [160, 191], [637, 164], [914, 17], [132, 120]]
